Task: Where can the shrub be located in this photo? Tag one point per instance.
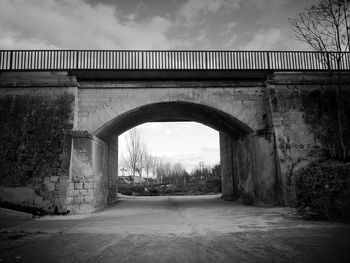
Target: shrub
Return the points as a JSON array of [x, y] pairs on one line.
[[324, 191]]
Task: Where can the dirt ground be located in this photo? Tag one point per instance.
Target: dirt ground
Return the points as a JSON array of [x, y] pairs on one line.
[[176, 229]]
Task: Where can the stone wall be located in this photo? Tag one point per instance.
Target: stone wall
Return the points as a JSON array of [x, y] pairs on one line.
[[101, 102], [35, 137], [50, 124], [304, 116]]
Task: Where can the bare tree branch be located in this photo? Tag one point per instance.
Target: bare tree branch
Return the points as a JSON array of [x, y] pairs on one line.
[[325, 27]]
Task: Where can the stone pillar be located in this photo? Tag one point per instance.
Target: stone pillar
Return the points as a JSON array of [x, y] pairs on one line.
[[88, 184], [80, 198], [248, 168], [267, 183], [227, 176], [113, 170]]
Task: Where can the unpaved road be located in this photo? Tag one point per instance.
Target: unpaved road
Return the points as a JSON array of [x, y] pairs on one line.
[[176, 229]]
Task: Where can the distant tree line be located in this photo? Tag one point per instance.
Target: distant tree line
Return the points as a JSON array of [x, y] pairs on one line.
[[139, 160]]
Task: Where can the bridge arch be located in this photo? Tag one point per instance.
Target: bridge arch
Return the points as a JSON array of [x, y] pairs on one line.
[[174, 111], [248, 170]]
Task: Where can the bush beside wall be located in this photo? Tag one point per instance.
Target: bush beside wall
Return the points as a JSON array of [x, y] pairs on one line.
[[323, 192]]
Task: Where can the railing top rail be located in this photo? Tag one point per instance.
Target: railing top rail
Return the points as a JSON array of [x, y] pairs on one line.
[[70, 59], [177, 50]]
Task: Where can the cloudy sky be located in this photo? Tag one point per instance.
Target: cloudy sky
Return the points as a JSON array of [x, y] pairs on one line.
[[154, 24], [148, 24]]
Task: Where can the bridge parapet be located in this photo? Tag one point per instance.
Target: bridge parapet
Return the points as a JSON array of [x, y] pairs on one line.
[[55, 60]]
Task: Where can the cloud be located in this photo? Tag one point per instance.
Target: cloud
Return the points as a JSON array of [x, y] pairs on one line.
[[267, 4], [76, 24], [191, 24], [265, 40], [14, 40], [210, 149], [195, 10], [272, 39]]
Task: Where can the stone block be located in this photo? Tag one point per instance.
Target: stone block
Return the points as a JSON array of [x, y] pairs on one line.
[[64, 179], [88, 199], [61, 186], [76, 193], [70, 192], [78, 186], [83, 114], [61, 194], [69, 200], [97, 184], [61, 202], [50, 186], [78, 199], [88, 185], [70, 186], [90, 192], [54, 179]]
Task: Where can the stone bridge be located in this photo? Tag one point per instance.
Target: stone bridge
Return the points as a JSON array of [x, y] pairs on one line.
[[61, 121]]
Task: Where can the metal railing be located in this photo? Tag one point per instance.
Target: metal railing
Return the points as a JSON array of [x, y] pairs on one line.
[[55, 60]]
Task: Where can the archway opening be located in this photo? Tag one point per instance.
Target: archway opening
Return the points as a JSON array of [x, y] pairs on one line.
[[169, 158], [227, 125]]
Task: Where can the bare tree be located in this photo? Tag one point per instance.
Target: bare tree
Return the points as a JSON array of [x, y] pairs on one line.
[[178, 172], [167, 170], [160, 170], [141, 165], [326, 28], [154, 166], [147, 162], [133, 160]]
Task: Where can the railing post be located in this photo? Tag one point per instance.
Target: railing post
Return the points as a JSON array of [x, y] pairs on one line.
[[206, 59], [268, 61], [77, 62], [329, 65], [11, 58]]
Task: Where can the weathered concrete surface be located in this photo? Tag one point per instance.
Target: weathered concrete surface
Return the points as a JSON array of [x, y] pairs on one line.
[[177, 229]]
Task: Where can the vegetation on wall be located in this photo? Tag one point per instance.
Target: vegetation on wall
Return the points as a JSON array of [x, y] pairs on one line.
[[325, 28], [34, 138], [323, 192], [320, 113]]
